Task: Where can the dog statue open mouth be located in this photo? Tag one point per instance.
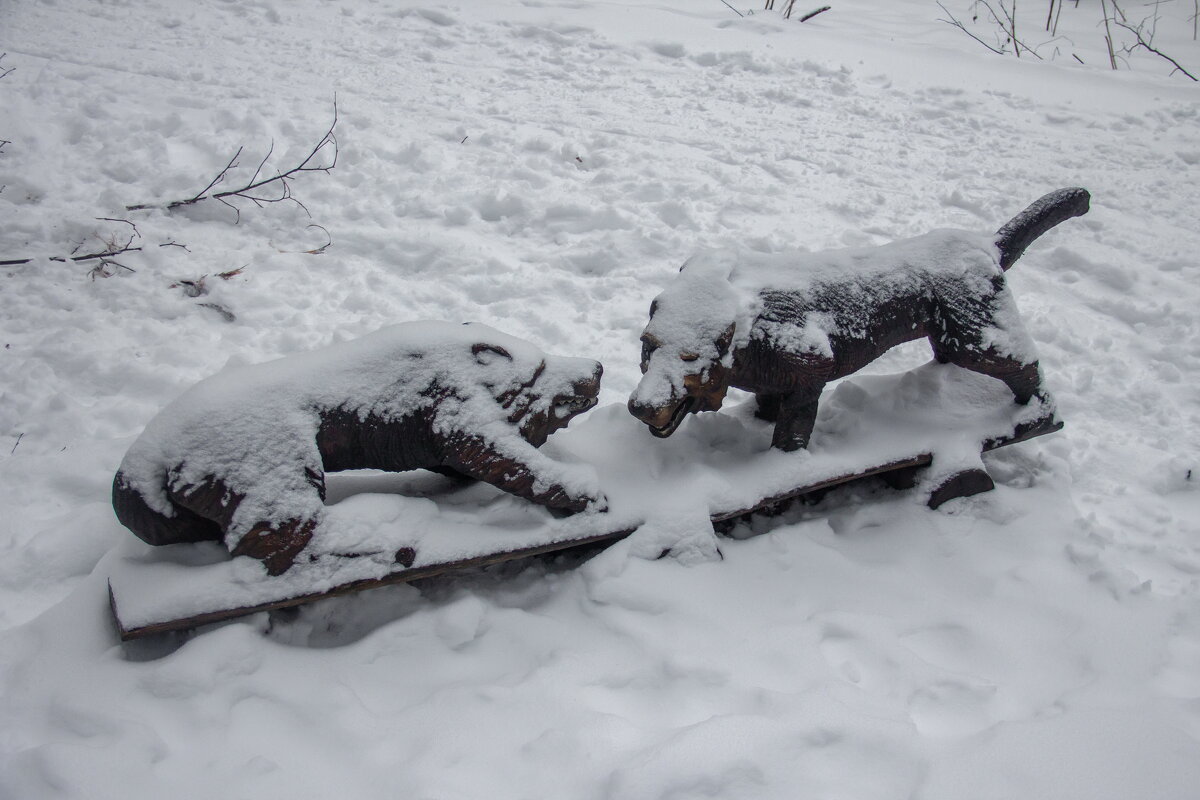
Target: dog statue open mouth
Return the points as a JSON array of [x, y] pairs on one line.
[[783, 325]]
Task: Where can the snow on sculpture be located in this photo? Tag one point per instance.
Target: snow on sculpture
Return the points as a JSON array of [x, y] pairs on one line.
[[242, 456], [784, 325]]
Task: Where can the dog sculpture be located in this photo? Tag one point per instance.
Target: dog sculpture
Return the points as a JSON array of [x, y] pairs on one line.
[[782, 326], [242, 456]]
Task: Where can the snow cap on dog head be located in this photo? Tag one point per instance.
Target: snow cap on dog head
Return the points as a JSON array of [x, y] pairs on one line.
[[697, 308]]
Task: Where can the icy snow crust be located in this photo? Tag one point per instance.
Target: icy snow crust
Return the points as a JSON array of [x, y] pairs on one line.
[[255, 427], [544, 169]]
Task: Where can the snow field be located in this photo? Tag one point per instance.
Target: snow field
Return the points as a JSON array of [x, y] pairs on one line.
[[544, 168]]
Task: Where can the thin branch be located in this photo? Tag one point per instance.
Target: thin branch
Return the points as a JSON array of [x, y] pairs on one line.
[[731, 8], [136, 232], [317, 250], [88, 257], [1108, 40], [957, 24], [112, 247], [1009, 26], [1145, 45], [278, 187], [102, 270], [220, 177], [812, 14], [4, 73], [225, 313], [263, 163]]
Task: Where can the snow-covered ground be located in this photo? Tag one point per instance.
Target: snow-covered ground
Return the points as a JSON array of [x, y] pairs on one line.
[[544, 167]]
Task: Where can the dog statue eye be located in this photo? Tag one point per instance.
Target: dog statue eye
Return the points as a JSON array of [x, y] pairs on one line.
[[486, 354], [688, 357]]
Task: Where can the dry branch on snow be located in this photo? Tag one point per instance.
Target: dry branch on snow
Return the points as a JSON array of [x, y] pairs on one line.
[[259, 190], [1144, 40]]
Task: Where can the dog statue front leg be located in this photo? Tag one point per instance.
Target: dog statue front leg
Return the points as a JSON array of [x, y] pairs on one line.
[[797, 416], [276, 544], [767, 406], [517, 468]]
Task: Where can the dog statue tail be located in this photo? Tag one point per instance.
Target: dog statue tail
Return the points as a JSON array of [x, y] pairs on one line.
[[1042, 215]]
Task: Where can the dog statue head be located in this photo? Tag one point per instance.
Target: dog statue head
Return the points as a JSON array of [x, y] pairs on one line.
[[540, 393], [686, 346]]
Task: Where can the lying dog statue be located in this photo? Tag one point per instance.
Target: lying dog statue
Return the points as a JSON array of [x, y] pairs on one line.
[[782, 326], [241, 457]]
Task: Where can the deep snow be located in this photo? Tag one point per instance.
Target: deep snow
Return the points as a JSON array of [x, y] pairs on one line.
[[544, 168]]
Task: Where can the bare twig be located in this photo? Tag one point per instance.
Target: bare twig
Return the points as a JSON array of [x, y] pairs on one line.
[[1147, 46], [260, 190], [4, 73], [1108, 40], [812, 14], [107, 268], [318, 250], [113, 246], [1012, 24], [136, 233], [91, 256], [954, 21], [1144, 42], [1008, 23], [200, 194], [731, 8], [64, 259], [225, 313], [174, 243], [21, 436]]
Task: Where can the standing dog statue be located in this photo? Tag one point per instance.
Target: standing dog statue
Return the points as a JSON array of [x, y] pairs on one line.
[[782, 326]]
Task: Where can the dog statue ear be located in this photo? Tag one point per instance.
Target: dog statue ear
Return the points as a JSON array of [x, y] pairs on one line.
[[486, 353]]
